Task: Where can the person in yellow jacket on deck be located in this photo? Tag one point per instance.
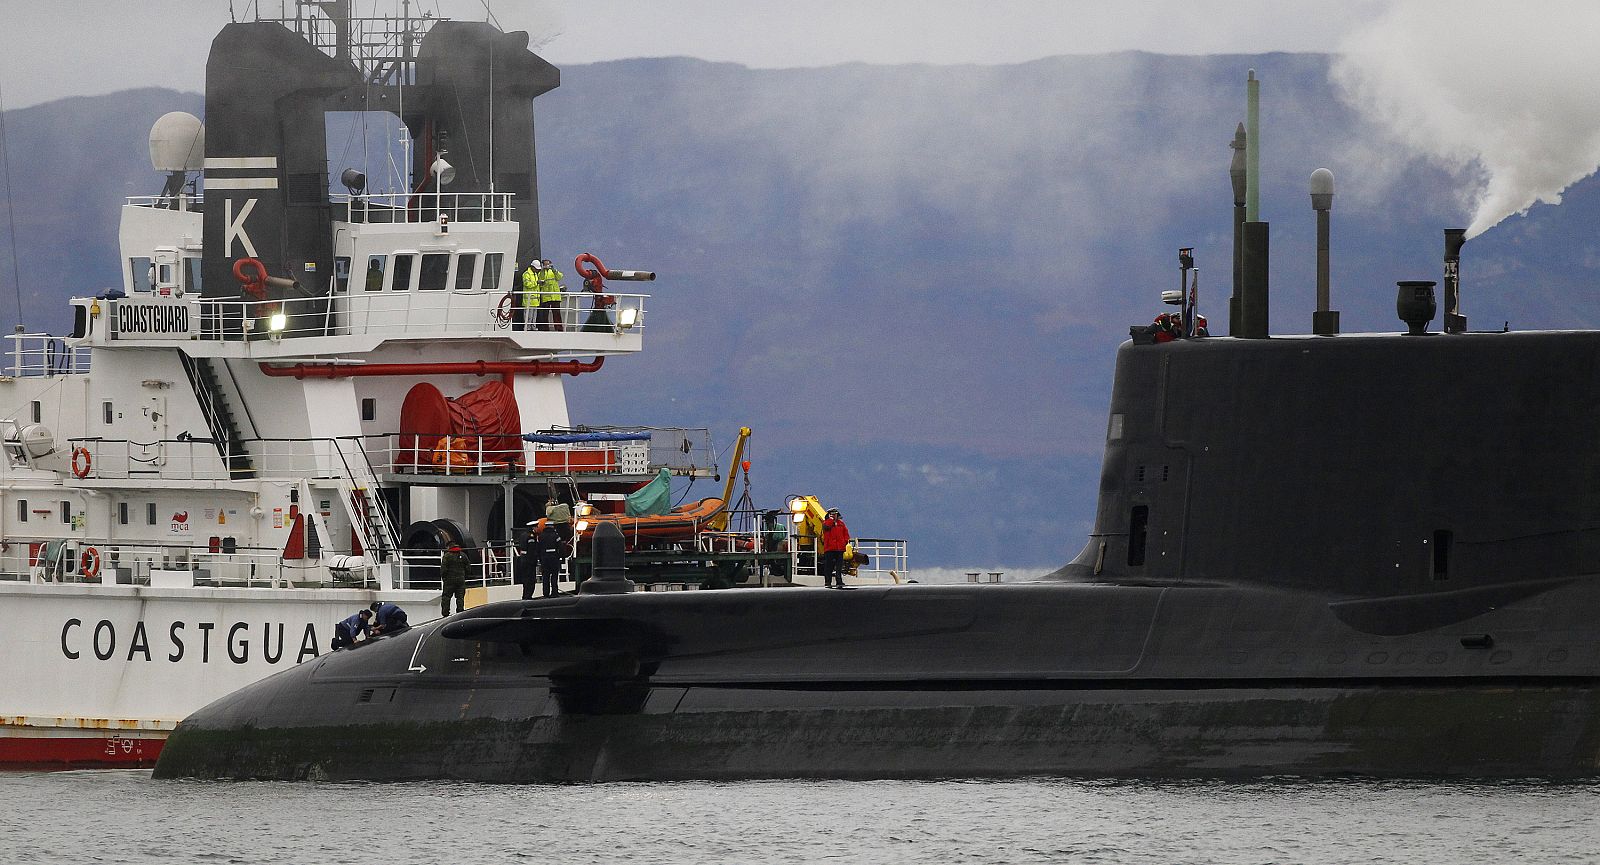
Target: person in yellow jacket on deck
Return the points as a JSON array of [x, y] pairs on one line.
[[550, 298], [528, 296]]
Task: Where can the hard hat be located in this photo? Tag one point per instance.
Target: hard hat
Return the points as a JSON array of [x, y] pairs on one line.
[[375, 606]]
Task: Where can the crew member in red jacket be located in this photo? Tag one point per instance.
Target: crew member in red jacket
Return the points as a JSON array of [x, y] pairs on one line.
[[835, 537]]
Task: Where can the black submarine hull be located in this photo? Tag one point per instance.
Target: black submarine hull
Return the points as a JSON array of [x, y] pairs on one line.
[[924, 682]]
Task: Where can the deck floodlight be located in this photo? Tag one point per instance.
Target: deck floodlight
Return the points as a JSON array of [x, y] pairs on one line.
[[580, 526], [797, 504], [354, 181], [277, 323], [628, 317], [444, 171], [799, 517], [584, 509]]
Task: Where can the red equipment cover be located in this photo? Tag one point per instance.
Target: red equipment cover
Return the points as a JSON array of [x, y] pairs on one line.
[[487, 419]]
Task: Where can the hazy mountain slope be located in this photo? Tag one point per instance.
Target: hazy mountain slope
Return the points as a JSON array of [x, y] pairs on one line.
[[910, 281]]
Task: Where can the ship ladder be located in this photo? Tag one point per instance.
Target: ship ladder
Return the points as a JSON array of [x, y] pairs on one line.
[[219, 419]]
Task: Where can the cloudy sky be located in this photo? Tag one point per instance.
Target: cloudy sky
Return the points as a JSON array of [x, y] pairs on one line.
[[49, 49]]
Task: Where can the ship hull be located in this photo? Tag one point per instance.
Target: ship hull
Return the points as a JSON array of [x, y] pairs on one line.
[[922, 682], [1411, 731], [98, 676]]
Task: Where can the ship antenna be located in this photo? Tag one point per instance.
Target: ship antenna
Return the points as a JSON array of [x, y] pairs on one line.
[[11, 206]]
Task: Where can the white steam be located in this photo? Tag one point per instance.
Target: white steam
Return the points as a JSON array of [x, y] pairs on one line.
[[1510, 91]]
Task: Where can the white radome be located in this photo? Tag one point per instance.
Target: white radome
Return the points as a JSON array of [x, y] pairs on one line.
[[178, 142]]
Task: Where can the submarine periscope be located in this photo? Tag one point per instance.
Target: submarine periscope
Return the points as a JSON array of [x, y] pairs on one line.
[[1315, 555]]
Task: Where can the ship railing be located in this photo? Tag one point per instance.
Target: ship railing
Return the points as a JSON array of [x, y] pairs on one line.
[[488, 565], [427, 311], [183, 201], [204, 459], [886, 560], [183, 562], [40, 354], [681, 451], [876, 560], [404, 207]]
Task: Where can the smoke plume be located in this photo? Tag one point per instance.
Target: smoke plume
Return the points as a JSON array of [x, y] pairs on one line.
[[1505, 92]]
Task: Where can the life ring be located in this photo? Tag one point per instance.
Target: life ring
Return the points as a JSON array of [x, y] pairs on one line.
[[89, 563], [506, 310], [81, 462]]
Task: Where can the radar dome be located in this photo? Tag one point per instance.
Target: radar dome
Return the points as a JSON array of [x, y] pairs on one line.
[[178, 142]]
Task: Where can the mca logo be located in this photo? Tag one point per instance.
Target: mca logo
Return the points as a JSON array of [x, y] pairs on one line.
[[181, 517]]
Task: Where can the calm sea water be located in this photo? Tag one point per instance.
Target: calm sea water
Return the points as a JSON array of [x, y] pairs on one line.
[[116, 817]]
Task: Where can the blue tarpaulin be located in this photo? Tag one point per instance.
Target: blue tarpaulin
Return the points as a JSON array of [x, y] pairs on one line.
[[570, 437]]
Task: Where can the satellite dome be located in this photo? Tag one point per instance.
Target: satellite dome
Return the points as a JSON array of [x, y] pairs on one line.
[[178, 142]]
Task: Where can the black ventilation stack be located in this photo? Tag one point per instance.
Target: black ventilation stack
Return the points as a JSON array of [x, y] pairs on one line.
[[1454, 321], [266, 171], [479, 84], [467, 93]]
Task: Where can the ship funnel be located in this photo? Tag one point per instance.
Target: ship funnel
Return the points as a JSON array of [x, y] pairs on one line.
[[1454, 321]]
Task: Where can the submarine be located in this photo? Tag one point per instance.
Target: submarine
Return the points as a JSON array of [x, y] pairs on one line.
[[1320, 555], [1312, 556]]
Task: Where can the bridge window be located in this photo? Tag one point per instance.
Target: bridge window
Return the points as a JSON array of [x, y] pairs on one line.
[[375, 272], [403, 265], [464, 263], [341, 274], [191, 275], [491, 271], [435, 270], [139, 268]]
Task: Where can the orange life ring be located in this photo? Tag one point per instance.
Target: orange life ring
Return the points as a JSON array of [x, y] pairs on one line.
[[89, 563], [81, 462]]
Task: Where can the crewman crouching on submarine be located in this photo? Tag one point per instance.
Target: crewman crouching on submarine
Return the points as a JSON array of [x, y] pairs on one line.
[[352, 630], [387, 618]]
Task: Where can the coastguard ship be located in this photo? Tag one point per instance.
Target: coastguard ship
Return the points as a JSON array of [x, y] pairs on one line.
[[305, 389], [1318, 554]]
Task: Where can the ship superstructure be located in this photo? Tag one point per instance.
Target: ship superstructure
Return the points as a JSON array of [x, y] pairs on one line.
[[304, 388]]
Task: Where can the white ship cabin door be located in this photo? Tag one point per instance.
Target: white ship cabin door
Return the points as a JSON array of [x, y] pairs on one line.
[[166, 272], [146, 434]]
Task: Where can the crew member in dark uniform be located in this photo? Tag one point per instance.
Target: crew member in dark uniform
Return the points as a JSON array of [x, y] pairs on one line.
[[552, 549], [525, 567], [453, 580], [348, 632], [387, 618]]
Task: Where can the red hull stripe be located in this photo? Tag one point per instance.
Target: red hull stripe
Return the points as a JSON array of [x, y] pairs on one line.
[[47, 753]]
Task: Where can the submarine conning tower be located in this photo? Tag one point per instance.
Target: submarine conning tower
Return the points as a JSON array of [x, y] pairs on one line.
[[1455, 465], [465, 88]]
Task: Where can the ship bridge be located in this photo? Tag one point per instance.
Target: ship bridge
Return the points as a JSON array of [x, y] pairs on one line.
[[406, 268]]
